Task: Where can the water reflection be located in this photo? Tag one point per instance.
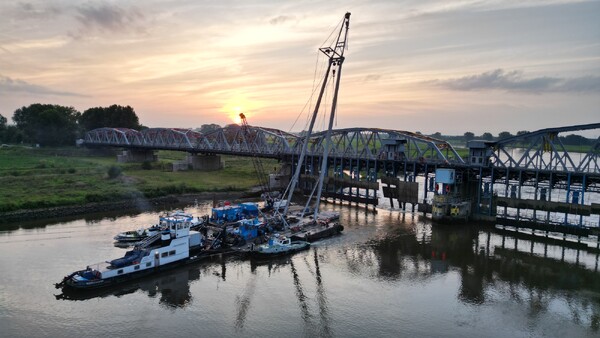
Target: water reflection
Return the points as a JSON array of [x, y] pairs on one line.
[[92, 218], [491, 266]]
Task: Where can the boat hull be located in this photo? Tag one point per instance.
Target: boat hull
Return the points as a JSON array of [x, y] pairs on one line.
[[296, 247], [313, 235], [69, 283]]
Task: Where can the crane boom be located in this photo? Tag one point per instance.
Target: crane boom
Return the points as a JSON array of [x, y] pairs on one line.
[[258, 167]]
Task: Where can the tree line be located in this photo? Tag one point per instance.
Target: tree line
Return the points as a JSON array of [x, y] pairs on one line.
[[55, 125], [571, 139]]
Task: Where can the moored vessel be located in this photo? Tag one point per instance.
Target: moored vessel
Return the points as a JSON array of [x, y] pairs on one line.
[[176, 244], [279, 246], [133, 236]]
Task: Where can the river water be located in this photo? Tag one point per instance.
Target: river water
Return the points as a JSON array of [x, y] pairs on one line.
[[390, 274]]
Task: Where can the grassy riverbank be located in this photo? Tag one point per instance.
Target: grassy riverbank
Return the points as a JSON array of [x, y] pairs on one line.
[[50, 177]]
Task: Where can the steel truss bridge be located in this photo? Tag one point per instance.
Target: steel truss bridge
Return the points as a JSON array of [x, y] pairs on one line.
[[356, 143], [538, 159]]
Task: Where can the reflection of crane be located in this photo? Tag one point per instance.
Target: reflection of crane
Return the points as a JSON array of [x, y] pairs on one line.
[[244, 301], [258, 167]]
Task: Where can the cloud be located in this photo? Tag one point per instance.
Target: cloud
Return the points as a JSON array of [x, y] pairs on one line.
[[372, 77], [281, 19], [27, 10], [105, 17], [514, 81], [9, 85]]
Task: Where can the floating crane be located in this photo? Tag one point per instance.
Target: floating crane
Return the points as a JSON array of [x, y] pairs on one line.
[[335, 54]]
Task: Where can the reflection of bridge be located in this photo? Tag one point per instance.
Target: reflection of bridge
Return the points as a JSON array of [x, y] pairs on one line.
[[535, 163], [483, 258]]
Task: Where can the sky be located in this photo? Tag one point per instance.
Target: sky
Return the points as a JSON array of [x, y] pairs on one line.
[[428, 66]]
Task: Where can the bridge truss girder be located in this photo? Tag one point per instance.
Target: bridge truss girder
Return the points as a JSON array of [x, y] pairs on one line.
[[367, 144], [358, 143], [543, 150]]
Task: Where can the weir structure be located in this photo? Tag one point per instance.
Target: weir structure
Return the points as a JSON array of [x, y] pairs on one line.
[[530, 180]]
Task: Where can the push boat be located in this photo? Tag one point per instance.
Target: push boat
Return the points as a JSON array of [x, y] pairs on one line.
[[173, 246], [279, 246]]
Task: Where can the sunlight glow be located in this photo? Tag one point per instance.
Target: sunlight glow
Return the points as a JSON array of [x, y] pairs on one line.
[[240, 104]]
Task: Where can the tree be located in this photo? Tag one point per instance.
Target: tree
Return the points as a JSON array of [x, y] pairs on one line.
[[2, 129], [487, 136], [208, 128], [575, 140], [522, 132], [47, 124], [11, 134], [504, 134], [114, 116], [437, 135], [468, 136], [114, 172]]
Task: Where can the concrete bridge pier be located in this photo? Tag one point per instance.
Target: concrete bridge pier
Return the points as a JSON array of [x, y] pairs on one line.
[[137, 155], [279, 180], [203, 162]]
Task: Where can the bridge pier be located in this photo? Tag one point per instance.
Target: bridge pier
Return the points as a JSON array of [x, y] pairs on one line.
[[136, 155], [280, 180], [199, 162]]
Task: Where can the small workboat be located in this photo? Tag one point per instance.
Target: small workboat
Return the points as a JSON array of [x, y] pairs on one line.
[[140, 234], [175, 245], [279, 246], [137, 235]]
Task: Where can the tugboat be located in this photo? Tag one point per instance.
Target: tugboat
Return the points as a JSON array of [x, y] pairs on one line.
[[171, 247], [279, 246]]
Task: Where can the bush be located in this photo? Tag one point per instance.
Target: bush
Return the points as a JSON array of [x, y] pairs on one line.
[[89, 198], [114, 172], [147, 165], [72, 170]]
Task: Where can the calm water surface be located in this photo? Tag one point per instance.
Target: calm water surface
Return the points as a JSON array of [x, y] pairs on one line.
[[390, 274]]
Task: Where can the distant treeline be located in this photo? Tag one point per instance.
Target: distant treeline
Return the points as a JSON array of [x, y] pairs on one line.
[[55, 125], [572, 139]]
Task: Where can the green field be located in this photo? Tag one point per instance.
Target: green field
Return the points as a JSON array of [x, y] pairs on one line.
[[48, 177]]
